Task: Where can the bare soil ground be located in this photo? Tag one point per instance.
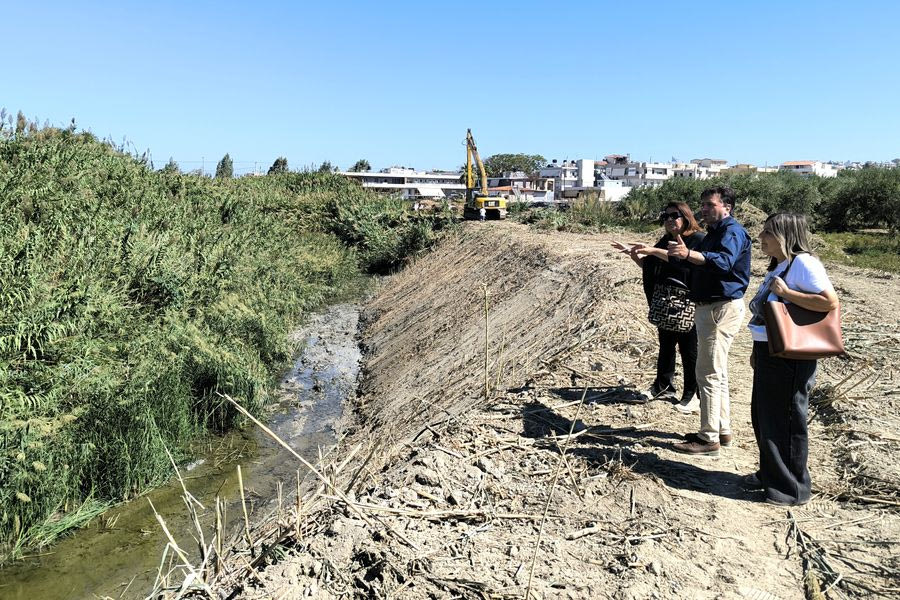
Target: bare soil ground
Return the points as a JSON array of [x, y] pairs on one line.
[[464, 493]]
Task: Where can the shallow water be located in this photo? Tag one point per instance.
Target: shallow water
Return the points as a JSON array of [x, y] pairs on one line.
[[118, 555]]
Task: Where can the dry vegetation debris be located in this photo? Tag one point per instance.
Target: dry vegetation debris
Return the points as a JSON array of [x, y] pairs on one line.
[[559, 470]]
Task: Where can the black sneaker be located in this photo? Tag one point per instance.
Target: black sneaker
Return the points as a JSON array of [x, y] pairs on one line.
[[655, 393]]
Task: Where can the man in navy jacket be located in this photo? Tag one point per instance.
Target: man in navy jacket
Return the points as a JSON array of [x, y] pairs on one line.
[[720, 275]]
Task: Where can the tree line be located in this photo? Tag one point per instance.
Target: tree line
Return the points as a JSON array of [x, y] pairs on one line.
[[854, 200]]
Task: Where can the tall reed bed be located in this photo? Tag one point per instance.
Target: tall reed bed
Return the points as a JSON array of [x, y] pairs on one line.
[[131, 299]]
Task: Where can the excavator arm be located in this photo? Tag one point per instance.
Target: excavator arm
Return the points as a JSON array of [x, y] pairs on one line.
[[472, 150]]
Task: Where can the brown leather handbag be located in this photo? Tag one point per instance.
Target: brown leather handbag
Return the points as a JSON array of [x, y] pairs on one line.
[[798, 333]]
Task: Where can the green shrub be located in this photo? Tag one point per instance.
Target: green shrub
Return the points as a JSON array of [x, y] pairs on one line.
[[866, 198], [590, 211], [873, 250]]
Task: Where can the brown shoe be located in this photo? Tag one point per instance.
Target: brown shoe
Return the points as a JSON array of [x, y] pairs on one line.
[[698, 447], [724, 439]]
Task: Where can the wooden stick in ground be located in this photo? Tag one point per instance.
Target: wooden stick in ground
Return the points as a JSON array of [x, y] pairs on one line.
[[244, 506], [486, 384], [220, 534], [279, 486], [337, 492], [559, 466], [299, 530]]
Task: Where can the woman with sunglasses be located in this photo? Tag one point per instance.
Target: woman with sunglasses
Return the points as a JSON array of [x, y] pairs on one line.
[[659, 268]]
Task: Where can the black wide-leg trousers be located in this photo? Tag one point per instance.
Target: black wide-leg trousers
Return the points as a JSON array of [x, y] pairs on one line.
[[778, 409], [665, 360]]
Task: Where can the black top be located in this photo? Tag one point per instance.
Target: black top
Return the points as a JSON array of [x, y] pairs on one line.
[[655, 270]]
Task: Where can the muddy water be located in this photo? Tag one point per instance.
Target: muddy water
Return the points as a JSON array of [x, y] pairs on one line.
[[118, 555]]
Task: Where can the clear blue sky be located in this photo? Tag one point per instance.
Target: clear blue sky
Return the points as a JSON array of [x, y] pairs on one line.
[[399, 82]]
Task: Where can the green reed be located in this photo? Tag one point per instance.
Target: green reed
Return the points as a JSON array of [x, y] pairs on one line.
[[131, 298]]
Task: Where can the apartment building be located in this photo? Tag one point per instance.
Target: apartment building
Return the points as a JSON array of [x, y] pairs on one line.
[[569, 173], [747, 169], [639, 174], [521, 187], [410, 183], [689, 171], [805, 168], [713, 166]]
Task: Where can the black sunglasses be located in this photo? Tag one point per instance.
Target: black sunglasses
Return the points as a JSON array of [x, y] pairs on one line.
[[667, 215]]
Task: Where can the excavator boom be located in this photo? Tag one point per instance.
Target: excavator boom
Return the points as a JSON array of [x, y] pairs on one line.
[[472, 149]]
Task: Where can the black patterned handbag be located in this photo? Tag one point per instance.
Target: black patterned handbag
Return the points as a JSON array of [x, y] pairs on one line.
[[670, 307]]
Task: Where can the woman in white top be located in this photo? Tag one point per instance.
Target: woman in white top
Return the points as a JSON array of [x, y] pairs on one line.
[[781, 386]]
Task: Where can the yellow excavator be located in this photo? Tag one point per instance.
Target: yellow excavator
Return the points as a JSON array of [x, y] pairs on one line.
[[494, 206]]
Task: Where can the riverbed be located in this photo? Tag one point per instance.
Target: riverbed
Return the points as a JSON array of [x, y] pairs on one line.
[[118, 554]]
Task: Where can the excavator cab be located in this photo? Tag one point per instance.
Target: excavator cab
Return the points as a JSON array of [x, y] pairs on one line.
[[477, 198]]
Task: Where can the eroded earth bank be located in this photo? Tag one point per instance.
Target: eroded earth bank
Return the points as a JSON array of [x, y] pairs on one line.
[[446, 488]]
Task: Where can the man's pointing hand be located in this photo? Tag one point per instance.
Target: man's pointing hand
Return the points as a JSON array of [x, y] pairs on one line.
[[678, 249]]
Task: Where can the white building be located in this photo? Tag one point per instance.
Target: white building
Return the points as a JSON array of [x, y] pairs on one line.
[[805, 168], [639, 174], [747, 169], [410, 183], [713, 166], [519, 187], [620, 167], [570, 174], [689, 171], [610, 190]]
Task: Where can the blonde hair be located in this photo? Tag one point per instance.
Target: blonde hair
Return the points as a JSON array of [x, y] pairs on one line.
[[791, 231]]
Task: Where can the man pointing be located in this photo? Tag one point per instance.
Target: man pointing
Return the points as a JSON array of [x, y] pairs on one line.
[[719, 277]]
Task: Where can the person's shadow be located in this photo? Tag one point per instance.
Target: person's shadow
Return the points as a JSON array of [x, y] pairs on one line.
[[613, 394], [601, 444]]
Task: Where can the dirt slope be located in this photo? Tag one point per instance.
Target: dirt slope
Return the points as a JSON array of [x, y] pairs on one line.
[[459, 483]]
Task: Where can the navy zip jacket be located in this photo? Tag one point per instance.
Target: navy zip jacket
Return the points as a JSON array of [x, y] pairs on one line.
[[726, 272]]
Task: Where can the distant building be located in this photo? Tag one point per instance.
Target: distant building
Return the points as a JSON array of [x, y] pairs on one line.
[[569, 173], [639, 174], [690, 171], [410, 183], [747, 169], [519, 187], [610, 190], [805, 168], [713, 166]]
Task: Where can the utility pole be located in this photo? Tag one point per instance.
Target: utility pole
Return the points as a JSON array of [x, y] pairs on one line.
[[202, 166]]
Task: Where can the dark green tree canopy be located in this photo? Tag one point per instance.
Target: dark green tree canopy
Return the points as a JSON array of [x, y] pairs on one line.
[[171, 166], [225, 168], [360, 166], [326, 167], [279, 166], [498, 164]]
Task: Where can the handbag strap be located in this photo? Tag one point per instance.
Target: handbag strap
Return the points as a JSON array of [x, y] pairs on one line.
[[783, 275]]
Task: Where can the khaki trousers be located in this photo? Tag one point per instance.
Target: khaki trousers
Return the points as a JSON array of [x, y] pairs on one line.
[[717, 324]]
